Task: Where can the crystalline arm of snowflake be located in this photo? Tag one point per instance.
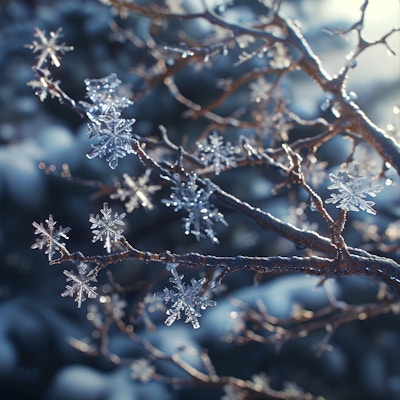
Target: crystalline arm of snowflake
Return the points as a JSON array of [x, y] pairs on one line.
[[352, 191], [81, 285], [138, 191], [187, 195], [50, 238], [214, 153], [107, 228], [114, 137], [184, 298]]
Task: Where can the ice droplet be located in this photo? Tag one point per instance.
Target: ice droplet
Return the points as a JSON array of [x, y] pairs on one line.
[[312, 204], [351, 62]]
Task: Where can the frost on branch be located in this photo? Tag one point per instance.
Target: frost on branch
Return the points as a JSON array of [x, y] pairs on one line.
[[352, 191], [113, 134], [81, 285], [184, 298], [104, 93], [214, 153], [50, 238], [188, 196], [137, 192], [107, 228]]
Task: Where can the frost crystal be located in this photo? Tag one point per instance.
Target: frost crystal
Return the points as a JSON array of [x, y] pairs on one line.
[[114, 137], [48, 47], [216, 154], [142, 370], [81, 284], [352, 192], [50, 239], [45, 84], [104, 93], [187, 298], [196, 201], [107, 228], [138, 191]]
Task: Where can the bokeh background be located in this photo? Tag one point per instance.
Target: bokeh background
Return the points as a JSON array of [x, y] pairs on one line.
[[36, 324]]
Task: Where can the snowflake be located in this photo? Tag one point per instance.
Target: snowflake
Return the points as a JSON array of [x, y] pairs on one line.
[[279, 58], [138, 191], [114, 137], [142, 370], [259, 90], [115, 306], [216, 154], [48, 47], [196, 201], [352, 192], [104, 93], [187, 298], [45, 84], [50, 238], [81, 284], [107, 228]]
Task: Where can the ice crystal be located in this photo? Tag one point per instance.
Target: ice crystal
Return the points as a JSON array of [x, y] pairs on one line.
[[81, 284], [50, 238], [107, 228], [260, 90], [137, 191], [142, 370], [48, 48], [104, 93], [188, 196], [214, 153], [114, 137], [352, 191], [45, 84], [185, 298]]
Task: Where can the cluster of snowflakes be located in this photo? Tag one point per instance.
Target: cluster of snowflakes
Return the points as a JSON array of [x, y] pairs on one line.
[[188, 299], [113, 134], [113, 139]]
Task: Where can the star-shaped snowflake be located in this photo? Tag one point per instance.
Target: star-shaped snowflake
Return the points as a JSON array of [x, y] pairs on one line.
[[48, 48], [352, 191], [50, 238], [107, 228], [185, 298], [81, 284]]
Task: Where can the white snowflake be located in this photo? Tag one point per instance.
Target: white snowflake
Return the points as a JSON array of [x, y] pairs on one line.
[[81, 284], [104, 93], [51, 238], [142, 370], [214, 153], [188, 196], [48, 48], [45, 84], [352, 191], [185, 298], [259, 90], [138, 191], [108, 227], [114, 137]]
